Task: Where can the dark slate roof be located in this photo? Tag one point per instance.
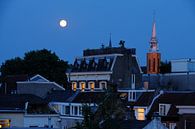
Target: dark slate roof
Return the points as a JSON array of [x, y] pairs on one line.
[[59, 95], [145, 99], [91, 64], [89, 97], [172, 111], [129, 124], [15, 78], [174, 98], [17, 101]]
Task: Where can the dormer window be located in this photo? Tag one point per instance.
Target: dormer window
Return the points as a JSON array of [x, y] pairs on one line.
[[82, 86], [162, 109], [91, 85], [103, 85], [74, 86]]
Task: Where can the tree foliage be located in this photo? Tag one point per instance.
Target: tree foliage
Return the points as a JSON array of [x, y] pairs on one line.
[[42, 62], [110, 108]]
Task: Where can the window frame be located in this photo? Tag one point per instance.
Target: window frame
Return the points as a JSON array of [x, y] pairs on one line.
[[89, 84], [80, 85], [100, 85], [74, 87]]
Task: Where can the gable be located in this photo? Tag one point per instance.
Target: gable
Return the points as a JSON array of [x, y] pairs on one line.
[[38, 78]]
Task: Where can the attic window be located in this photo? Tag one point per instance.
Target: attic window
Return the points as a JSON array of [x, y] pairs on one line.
[[74, 86], [140, 114], [82, 86], [91, 85], [162, 109], [103, 85]]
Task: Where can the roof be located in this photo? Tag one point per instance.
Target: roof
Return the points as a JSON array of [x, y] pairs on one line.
[[145, 99], [175, 99], [88, 97], [15, 78], [59, 95], [128, 124], [17, 101], [94, 63]]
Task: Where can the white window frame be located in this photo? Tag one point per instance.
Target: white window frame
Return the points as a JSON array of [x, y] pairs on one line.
[[131, 96], [163, 106], [100, 85]]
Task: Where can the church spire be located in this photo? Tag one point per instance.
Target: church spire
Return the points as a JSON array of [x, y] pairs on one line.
[[153, 41], [154, 30], [110, 42]]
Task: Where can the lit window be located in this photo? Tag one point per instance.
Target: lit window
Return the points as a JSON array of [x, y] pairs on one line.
[[103, 85], [74, 86], [140, 114], [82, 86], [92, 85], [162, 109]]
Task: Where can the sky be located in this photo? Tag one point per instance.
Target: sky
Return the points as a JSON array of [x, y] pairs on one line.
[[34, 24]]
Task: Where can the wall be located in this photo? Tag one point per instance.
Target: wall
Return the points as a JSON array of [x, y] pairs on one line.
[[17, 119], [41, 120]]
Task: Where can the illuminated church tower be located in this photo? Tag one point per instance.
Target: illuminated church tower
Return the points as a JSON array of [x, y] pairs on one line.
[[153, 56]]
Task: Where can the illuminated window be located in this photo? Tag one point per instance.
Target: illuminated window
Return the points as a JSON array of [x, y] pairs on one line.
[[74, 86], [5, 123], [140, 114], [103, 85], [82, 86], [91, 85]]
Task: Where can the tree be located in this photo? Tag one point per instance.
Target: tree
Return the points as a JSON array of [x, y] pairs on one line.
[[110, 109], [42, 62]]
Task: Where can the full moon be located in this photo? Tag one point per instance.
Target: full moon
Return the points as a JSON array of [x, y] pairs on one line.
[[63, 23]]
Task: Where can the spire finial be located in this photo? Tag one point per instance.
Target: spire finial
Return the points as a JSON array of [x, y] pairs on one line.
[[154, 25], [110, 42]]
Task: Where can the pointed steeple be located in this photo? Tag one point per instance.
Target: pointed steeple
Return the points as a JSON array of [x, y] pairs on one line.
[[110, 42], [154, 30], [153, 41]]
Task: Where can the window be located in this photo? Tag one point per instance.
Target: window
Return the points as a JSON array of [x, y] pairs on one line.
[[154, 65], [162, 109], [74, 86], [132, 96], [63, 110], [149, 65], [75, 110], [67, 110], [82, 86], [103, 85], [140, 114], [91, 85]]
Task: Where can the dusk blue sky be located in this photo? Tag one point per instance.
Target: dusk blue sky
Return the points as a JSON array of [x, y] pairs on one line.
[[34, 24]]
